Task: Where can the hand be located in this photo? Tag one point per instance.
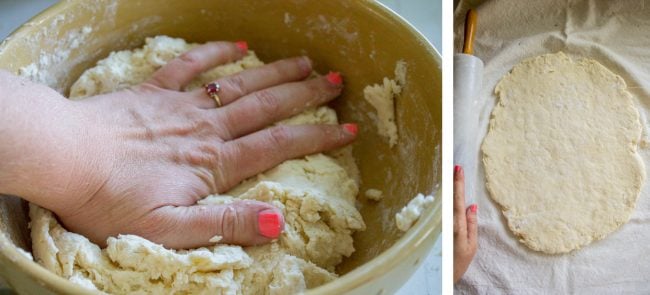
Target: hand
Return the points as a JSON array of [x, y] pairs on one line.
[[144, 156], [465, 227]]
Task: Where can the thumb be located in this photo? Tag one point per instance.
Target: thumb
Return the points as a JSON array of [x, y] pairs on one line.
[[244, 223]]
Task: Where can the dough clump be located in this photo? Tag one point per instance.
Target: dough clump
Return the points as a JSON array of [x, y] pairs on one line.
[[374, 194], [412, 211], [316, 193], [382, 98], [561, 152]]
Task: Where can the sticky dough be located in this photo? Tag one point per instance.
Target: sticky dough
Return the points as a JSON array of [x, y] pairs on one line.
[[316, 194], [382, 98], [561, 152]]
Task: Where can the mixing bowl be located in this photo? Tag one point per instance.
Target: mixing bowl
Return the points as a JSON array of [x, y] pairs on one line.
[[361, 39]]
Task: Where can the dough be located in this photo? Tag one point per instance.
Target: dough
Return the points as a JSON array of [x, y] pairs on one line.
[[382, 98], [374, 194], [561, 152], [316, 193], [412, 211]]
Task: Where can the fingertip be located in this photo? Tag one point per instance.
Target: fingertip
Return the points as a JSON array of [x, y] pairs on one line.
[[242, 46], [351, 128], [471, 213], [305, 64], [458, 173], [270, 223], [335, 79]]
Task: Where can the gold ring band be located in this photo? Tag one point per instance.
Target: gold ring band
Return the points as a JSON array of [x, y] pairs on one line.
[[212, 89]]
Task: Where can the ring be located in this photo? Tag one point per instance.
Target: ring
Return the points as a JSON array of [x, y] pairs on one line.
[[212, 89]]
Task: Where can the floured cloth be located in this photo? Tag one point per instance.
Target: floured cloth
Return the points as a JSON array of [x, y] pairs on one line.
[[615, 33]]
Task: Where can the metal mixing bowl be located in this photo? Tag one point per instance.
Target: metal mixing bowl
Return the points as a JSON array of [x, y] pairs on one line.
[[362, 39]]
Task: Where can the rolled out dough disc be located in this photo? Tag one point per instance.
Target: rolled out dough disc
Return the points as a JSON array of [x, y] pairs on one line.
[[561, 152]]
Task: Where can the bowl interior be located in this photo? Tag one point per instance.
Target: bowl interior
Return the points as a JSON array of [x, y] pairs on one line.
[[358, 38]]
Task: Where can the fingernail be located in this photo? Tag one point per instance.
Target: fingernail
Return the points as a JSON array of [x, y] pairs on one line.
[[335, 78], [456, 169], [242, 45], [351, 128], [473, 208], [269, 223]]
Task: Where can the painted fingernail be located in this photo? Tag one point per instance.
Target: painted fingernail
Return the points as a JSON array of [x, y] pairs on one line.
[[269, 223], [335, 78], [242, 45], [473, 208], [456, 168], [351, 128]]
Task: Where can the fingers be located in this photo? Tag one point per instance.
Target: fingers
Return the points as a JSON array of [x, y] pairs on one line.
[[183, 69], [244, 223], [472, 226], [262, 108], [266, 149], [460, 226], [249, 81]]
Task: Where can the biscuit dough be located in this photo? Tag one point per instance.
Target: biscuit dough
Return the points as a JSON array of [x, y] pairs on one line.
[[561, 152], [406, 217], [382, 98], [316, 193], [374, 194]]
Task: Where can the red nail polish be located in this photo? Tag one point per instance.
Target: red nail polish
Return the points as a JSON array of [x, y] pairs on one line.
[[351, 127], [335, 78], [473, 208], [242, 45], [269, 223], [456, 168]]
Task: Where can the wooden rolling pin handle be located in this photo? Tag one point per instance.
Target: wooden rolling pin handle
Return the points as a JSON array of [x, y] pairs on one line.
[[470, 29]]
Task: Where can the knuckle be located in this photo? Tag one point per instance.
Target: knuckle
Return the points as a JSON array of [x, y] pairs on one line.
[[229, 223], [237, 85], [153, 226], [223, 174], [279, 136], [268, 103], [190, 60]]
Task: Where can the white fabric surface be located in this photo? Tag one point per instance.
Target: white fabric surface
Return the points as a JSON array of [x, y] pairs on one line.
[[617, 34]]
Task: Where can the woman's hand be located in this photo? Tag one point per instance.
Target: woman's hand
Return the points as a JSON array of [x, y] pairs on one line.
[[137, 161], [465, 227]]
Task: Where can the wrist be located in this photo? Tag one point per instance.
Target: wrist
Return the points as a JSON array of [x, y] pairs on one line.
[[46, 154]]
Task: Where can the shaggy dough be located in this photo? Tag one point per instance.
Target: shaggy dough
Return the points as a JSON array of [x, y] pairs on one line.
[[316, 193], [561, 152], [412, 211], [382, 98]]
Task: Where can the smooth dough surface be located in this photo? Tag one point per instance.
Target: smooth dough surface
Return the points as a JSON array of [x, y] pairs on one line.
[[316, 193], [561, 152]]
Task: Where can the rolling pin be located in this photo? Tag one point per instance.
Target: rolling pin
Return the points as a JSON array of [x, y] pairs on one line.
[[468, 73]]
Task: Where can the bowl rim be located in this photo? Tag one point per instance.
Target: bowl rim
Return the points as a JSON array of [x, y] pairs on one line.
[[413, 239]]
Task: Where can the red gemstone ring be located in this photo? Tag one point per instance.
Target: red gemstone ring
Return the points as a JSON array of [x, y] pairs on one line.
[[212, 89]]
